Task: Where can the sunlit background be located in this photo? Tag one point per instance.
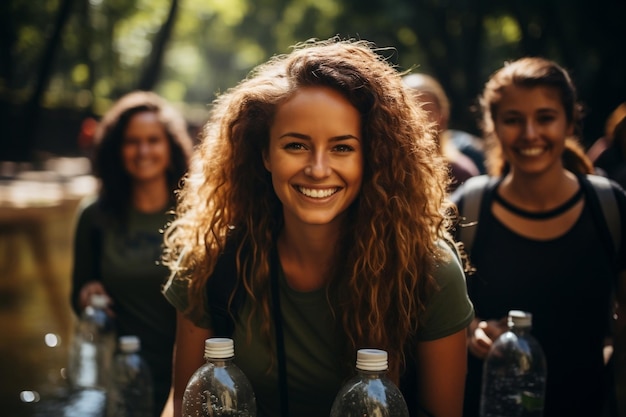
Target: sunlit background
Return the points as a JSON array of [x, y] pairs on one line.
[[63, 60]]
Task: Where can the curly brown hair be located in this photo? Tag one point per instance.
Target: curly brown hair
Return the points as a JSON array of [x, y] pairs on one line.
[[530, 72], [384, 264], [115, 183]]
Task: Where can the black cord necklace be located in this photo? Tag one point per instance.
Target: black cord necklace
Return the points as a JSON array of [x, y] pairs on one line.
[[539, 215]]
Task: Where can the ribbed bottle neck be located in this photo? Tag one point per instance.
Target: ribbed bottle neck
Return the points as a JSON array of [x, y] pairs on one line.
[[219, 349], [519, 321], [371, 360], [129, 344], [98, 301]]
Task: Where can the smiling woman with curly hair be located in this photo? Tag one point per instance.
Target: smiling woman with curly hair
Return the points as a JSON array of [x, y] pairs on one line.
[[142, 151], [319, 174]]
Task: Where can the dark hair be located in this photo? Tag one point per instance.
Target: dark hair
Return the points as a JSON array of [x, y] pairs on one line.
[[115, 188], [619, 137], [532, 72]]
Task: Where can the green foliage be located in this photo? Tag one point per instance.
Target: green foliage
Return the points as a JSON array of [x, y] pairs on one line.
[[502, 30], [215, 43], [80, 74], [133, 35]]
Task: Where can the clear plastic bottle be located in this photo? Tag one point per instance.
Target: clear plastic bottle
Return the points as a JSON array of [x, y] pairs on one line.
[[93, 346], [130, 392], [514, 372], [370, 393], [219, 388]]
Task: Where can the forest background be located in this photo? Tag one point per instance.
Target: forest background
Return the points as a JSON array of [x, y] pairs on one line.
[[62, 61]]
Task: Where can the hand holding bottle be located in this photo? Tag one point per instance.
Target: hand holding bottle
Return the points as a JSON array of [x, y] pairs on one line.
[[92, 347], [482, 334], [514, 372], [94, 288]]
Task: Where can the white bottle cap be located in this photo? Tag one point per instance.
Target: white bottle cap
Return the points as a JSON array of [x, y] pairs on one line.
[[98, 300], [519, 318], [371, 360], [219, 348], [129, 344]]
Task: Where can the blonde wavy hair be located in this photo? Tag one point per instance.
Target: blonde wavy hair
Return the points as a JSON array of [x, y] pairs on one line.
[[384, 263]]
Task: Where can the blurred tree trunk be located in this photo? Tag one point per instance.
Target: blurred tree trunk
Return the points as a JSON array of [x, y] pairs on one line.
[[600, 62], [152, 69], [451, 39], [85, 47], [32, 109], [8, 38], [580, 37]]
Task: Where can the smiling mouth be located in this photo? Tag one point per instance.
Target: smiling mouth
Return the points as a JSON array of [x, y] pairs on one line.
[[316, 193], [530, 151], [144, 162]]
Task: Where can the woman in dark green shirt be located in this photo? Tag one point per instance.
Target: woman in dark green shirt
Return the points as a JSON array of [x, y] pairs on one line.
[[319, 178], [142, 151]]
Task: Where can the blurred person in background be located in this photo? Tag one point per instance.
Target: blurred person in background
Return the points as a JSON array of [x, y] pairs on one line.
[[603, 142], [612, 162], [429, 92], [542, 243], [142, 149]]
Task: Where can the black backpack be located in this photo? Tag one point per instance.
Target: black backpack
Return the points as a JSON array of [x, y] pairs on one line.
[[603, 204]]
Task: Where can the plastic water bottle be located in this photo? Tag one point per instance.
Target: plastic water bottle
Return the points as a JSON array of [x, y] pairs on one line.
[[219, 388], [370, 393], [514, 373], [130, 393], [93, 346]]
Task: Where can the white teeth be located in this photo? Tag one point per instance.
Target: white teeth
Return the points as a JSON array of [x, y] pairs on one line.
[[315, 193], [531, 151]]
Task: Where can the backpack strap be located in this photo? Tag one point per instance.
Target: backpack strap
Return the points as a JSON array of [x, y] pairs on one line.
[[220, 287], [223, 284], [473, 190], [608, 206]]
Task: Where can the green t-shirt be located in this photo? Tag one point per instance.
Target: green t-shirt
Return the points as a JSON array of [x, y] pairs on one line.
[[125, 260], [315, 363]]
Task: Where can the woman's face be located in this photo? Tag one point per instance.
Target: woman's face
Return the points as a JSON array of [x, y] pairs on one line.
[[146, 149], [315, 156], [531, 126]]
